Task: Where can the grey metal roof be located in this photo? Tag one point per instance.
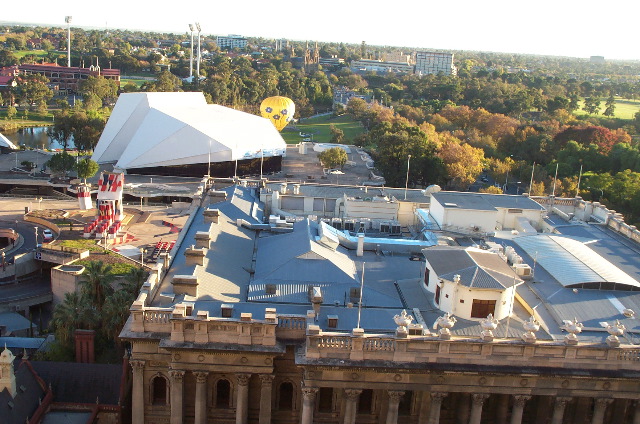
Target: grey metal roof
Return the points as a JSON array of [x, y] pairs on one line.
[[25, 402], [484, 201], [571, 262], [477, 268]]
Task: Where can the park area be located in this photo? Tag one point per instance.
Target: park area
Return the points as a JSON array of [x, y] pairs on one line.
[[319, 126], [624, 108]]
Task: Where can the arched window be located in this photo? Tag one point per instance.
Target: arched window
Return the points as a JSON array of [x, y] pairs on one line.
[[285, 397], [223, 393], [160, 393]]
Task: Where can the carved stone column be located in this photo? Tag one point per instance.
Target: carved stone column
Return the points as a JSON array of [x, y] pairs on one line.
[[558, 409], [177, 390], [242, 401], [599, 410], [518, 407], [394, 402], [436, 403], [308, 404], [351, 396], [477, 400], [265, 398], [201, 397], [137, 394]]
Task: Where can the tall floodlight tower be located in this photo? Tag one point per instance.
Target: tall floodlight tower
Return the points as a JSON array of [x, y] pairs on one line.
[[199, 57], [191, 55], [67, 19]]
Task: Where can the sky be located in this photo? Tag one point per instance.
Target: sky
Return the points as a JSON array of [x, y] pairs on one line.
[[559, 27]]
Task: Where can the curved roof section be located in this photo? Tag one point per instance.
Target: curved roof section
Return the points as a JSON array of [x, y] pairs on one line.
[[165, 129], [571, 262], [5, 142]]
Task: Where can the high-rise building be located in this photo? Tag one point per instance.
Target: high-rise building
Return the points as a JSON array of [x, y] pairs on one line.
[[435, 63], [231, 41]]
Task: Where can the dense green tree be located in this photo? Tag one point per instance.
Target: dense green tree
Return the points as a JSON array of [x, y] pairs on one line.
[[101, 87], [334, 157], [70, 315], [591, 105], [610, 106], [32, 89], [11, 112], [166, 82], [61, 163], [337, 135], [86, 168]]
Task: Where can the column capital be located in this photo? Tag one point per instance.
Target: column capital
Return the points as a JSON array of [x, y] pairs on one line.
[[561, 401], [201, 376], [137, 364], [176, 375], [520, 400], [266, 379], [243, 379], [309, 393], [603, 402], [438, 395], [395, 395], [352, 394], [479, 398]]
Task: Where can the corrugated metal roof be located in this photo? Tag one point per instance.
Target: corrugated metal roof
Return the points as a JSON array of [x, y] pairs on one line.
[[571, 262]]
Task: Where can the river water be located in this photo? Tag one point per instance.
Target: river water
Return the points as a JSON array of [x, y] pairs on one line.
[[35, 137]]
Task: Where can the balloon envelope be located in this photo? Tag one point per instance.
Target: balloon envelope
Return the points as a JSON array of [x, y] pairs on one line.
[[279, 110]]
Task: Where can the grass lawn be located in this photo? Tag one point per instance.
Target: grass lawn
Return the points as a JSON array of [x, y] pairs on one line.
[[319, 126], [22, 53], [625, 108], [136, 81]]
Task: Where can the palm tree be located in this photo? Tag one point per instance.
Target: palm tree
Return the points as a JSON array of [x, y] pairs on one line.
[[96, 285], [134, 279], [72, 314], [115, 313]]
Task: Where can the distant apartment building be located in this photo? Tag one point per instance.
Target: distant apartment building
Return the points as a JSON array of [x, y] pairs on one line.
[[231, 41], [379, 66], [331, 61], [398, 57], [596, 59], [434, 63]]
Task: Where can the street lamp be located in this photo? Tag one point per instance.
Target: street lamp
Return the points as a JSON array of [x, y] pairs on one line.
[[36, 230], [406, 183], [67, 19], [142, 252]]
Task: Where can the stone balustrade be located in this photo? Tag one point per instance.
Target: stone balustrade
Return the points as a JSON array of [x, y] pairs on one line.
[[473, 351]]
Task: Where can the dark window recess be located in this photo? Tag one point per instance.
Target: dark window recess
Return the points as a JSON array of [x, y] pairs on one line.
[[426, 277], [365, 402], [404, 408], [223, 393], [325, 399], [461, 300], [437, 294], [159, 391], [285, 400], [482, 308]]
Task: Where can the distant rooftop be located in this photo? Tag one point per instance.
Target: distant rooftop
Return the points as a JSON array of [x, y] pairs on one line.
[[484, 201]]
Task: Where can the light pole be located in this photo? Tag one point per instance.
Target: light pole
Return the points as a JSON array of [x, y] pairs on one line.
[[67, 19], [142, 252], [406, 183], [198, 63], [36, 230], [191, 54]]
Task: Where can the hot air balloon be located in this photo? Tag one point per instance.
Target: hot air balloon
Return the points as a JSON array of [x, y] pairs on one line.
[[279, 110]]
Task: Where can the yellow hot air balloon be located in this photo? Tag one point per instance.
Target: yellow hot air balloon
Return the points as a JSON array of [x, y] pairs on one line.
[[279, 110]]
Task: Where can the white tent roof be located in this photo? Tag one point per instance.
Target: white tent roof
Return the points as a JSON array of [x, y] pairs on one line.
[[163, 129], [5, 142]]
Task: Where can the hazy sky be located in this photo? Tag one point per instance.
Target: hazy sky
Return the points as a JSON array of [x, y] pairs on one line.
[[559, 27]]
